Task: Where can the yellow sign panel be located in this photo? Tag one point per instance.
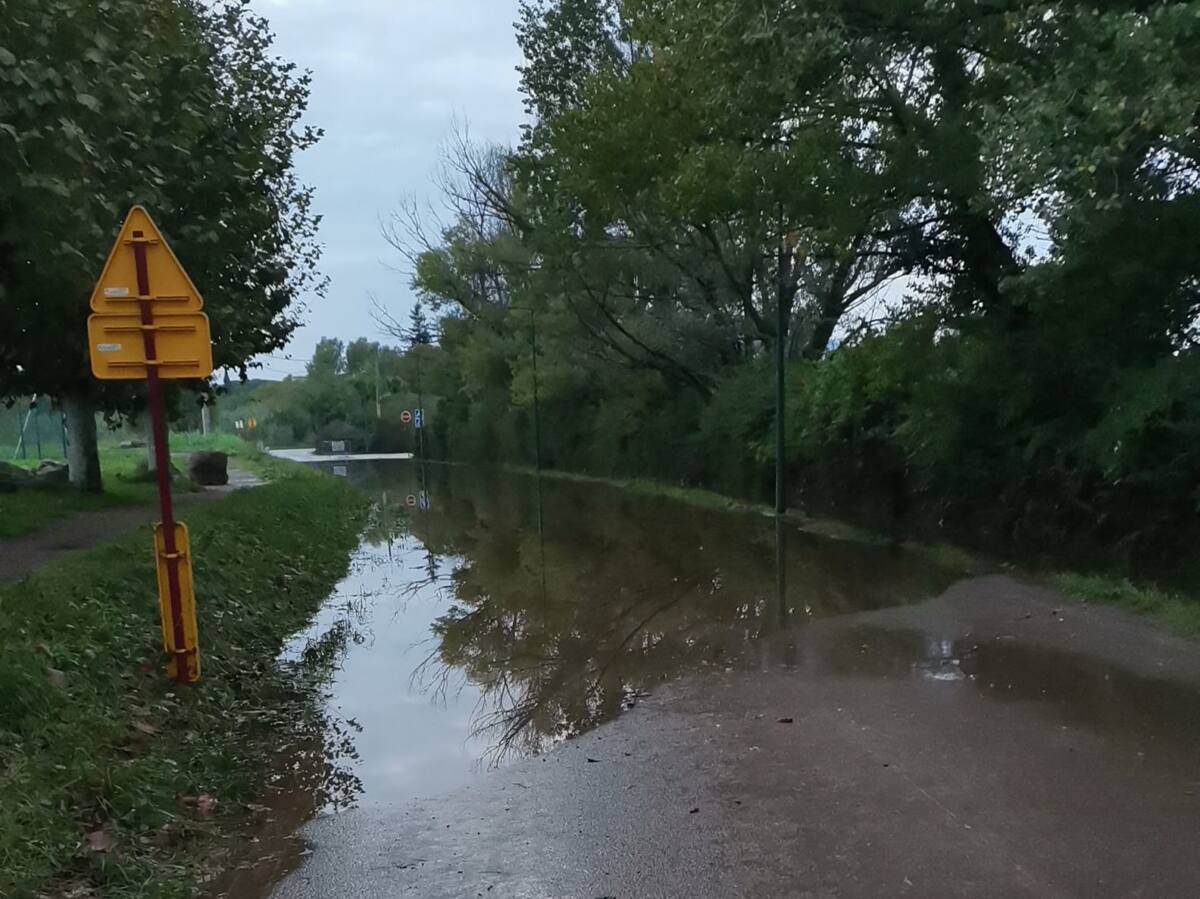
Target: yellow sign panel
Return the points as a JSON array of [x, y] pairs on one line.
[[169, 287], [182, 346], [187, 651]]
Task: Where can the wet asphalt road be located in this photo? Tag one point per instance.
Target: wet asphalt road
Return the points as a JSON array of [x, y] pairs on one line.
[[996, 741]]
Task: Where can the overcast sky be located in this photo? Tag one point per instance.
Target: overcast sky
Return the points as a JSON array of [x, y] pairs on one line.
[[390, 77]]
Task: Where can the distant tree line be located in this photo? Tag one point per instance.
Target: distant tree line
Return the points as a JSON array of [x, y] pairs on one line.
[[356, 392], [978, 222]]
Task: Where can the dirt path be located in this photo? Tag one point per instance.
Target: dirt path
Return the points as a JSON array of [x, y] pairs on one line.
[[22, 556]]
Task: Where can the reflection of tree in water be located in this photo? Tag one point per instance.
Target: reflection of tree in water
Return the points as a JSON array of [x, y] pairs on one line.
[[323, 750], [636, 591], [388, 521]]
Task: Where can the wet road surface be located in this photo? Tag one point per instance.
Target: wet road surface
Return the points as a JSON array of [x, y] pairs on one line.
[[638, 701]]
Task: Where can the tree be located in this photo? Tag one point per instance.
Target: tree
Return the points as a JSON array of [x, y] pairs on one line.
[[328, 359], [972, 219], [189, 114], [418, 326]]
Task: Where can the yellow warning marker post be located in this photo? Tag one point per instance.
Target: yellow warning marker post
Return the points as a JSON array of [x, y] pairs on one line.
[[147, 324]]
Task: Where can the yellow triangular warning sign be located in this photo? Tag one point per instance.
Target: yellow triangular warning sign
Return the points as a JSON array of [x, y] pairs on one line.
[[163, 280]]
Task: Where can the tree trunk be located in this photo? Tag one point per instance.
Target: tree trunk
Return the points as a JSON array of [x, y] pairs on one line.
[[83, 459], [151, 455]]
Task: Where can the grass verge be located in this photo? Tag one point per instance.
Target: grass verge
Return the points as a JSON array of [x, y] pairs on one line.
[[245, 455], [125, 482], [31, 509], [941, 554], [1178, 612], [115, 780]]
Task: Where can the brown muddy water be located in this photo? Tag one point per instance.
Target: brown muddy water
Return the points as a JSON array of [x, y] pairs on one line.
[[489, 616]]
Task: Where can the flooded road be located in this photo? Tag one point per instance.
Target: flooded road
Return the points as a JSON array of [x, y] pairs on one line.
[[563, 689]]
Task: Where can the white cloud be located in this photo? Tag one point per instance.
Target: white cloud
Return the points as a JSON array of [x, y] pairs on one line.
[[389, 79]]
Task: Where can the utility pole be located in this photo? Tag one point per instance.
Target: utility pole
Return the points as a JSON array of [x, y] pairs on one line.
[[37, 427], [378, 405], [537, 445]]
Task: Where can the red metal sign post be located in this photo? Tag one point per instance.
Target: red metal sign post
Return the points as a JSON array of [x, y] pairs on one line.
[[166, 338], [162, 455]]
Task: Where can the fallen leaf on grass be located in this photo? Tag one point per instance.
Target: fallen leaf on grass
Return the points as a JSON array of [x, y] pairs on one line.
[[100, 841], [57, 678], [204, 804]]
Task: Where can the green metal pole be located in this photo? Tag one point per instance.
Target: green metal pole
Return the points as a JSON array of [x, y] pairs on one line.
[[781, 329], [537, 420]]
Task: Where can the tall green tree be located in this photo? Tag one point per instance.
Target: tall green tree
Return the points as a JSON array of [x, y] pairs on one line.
[[178, 105], [977, 221]]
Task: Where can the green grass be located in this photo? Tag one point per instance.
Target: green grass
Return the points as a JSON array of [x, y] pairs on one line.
[[115, 746], [125, 482], [1178, 612], [245, 455], [30, 510]]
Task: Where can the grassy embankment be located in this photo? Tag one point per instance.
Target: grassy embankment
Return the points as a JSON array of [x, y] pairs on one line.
[[832, 529], [125, 483], [103, 761], [1177, 611]]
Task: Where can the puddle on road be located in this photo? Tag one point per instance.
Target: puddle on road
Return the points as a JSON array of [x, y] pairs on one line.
[[1072, 689], [466, 635], [482, 638]]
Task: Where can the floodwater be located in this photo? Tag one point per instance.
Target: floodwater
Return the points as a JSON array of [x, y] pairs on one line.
[[472, 636], [490, 616]]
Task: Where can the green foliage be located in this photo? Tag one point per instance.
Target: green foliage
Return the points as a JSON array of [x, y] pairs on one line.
[[175, 104], [336, 400], [1180, 613], [125, 484], [978, 223], [115, 746]]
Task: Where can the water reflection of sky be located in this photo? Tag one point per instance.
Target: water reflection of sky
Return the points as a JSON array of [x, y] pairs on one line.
[[412, 727]]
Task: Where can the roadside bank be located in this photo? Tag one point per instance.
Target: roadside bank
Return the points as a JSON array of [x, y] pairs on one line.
[[1178, 611], [115, 780]]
